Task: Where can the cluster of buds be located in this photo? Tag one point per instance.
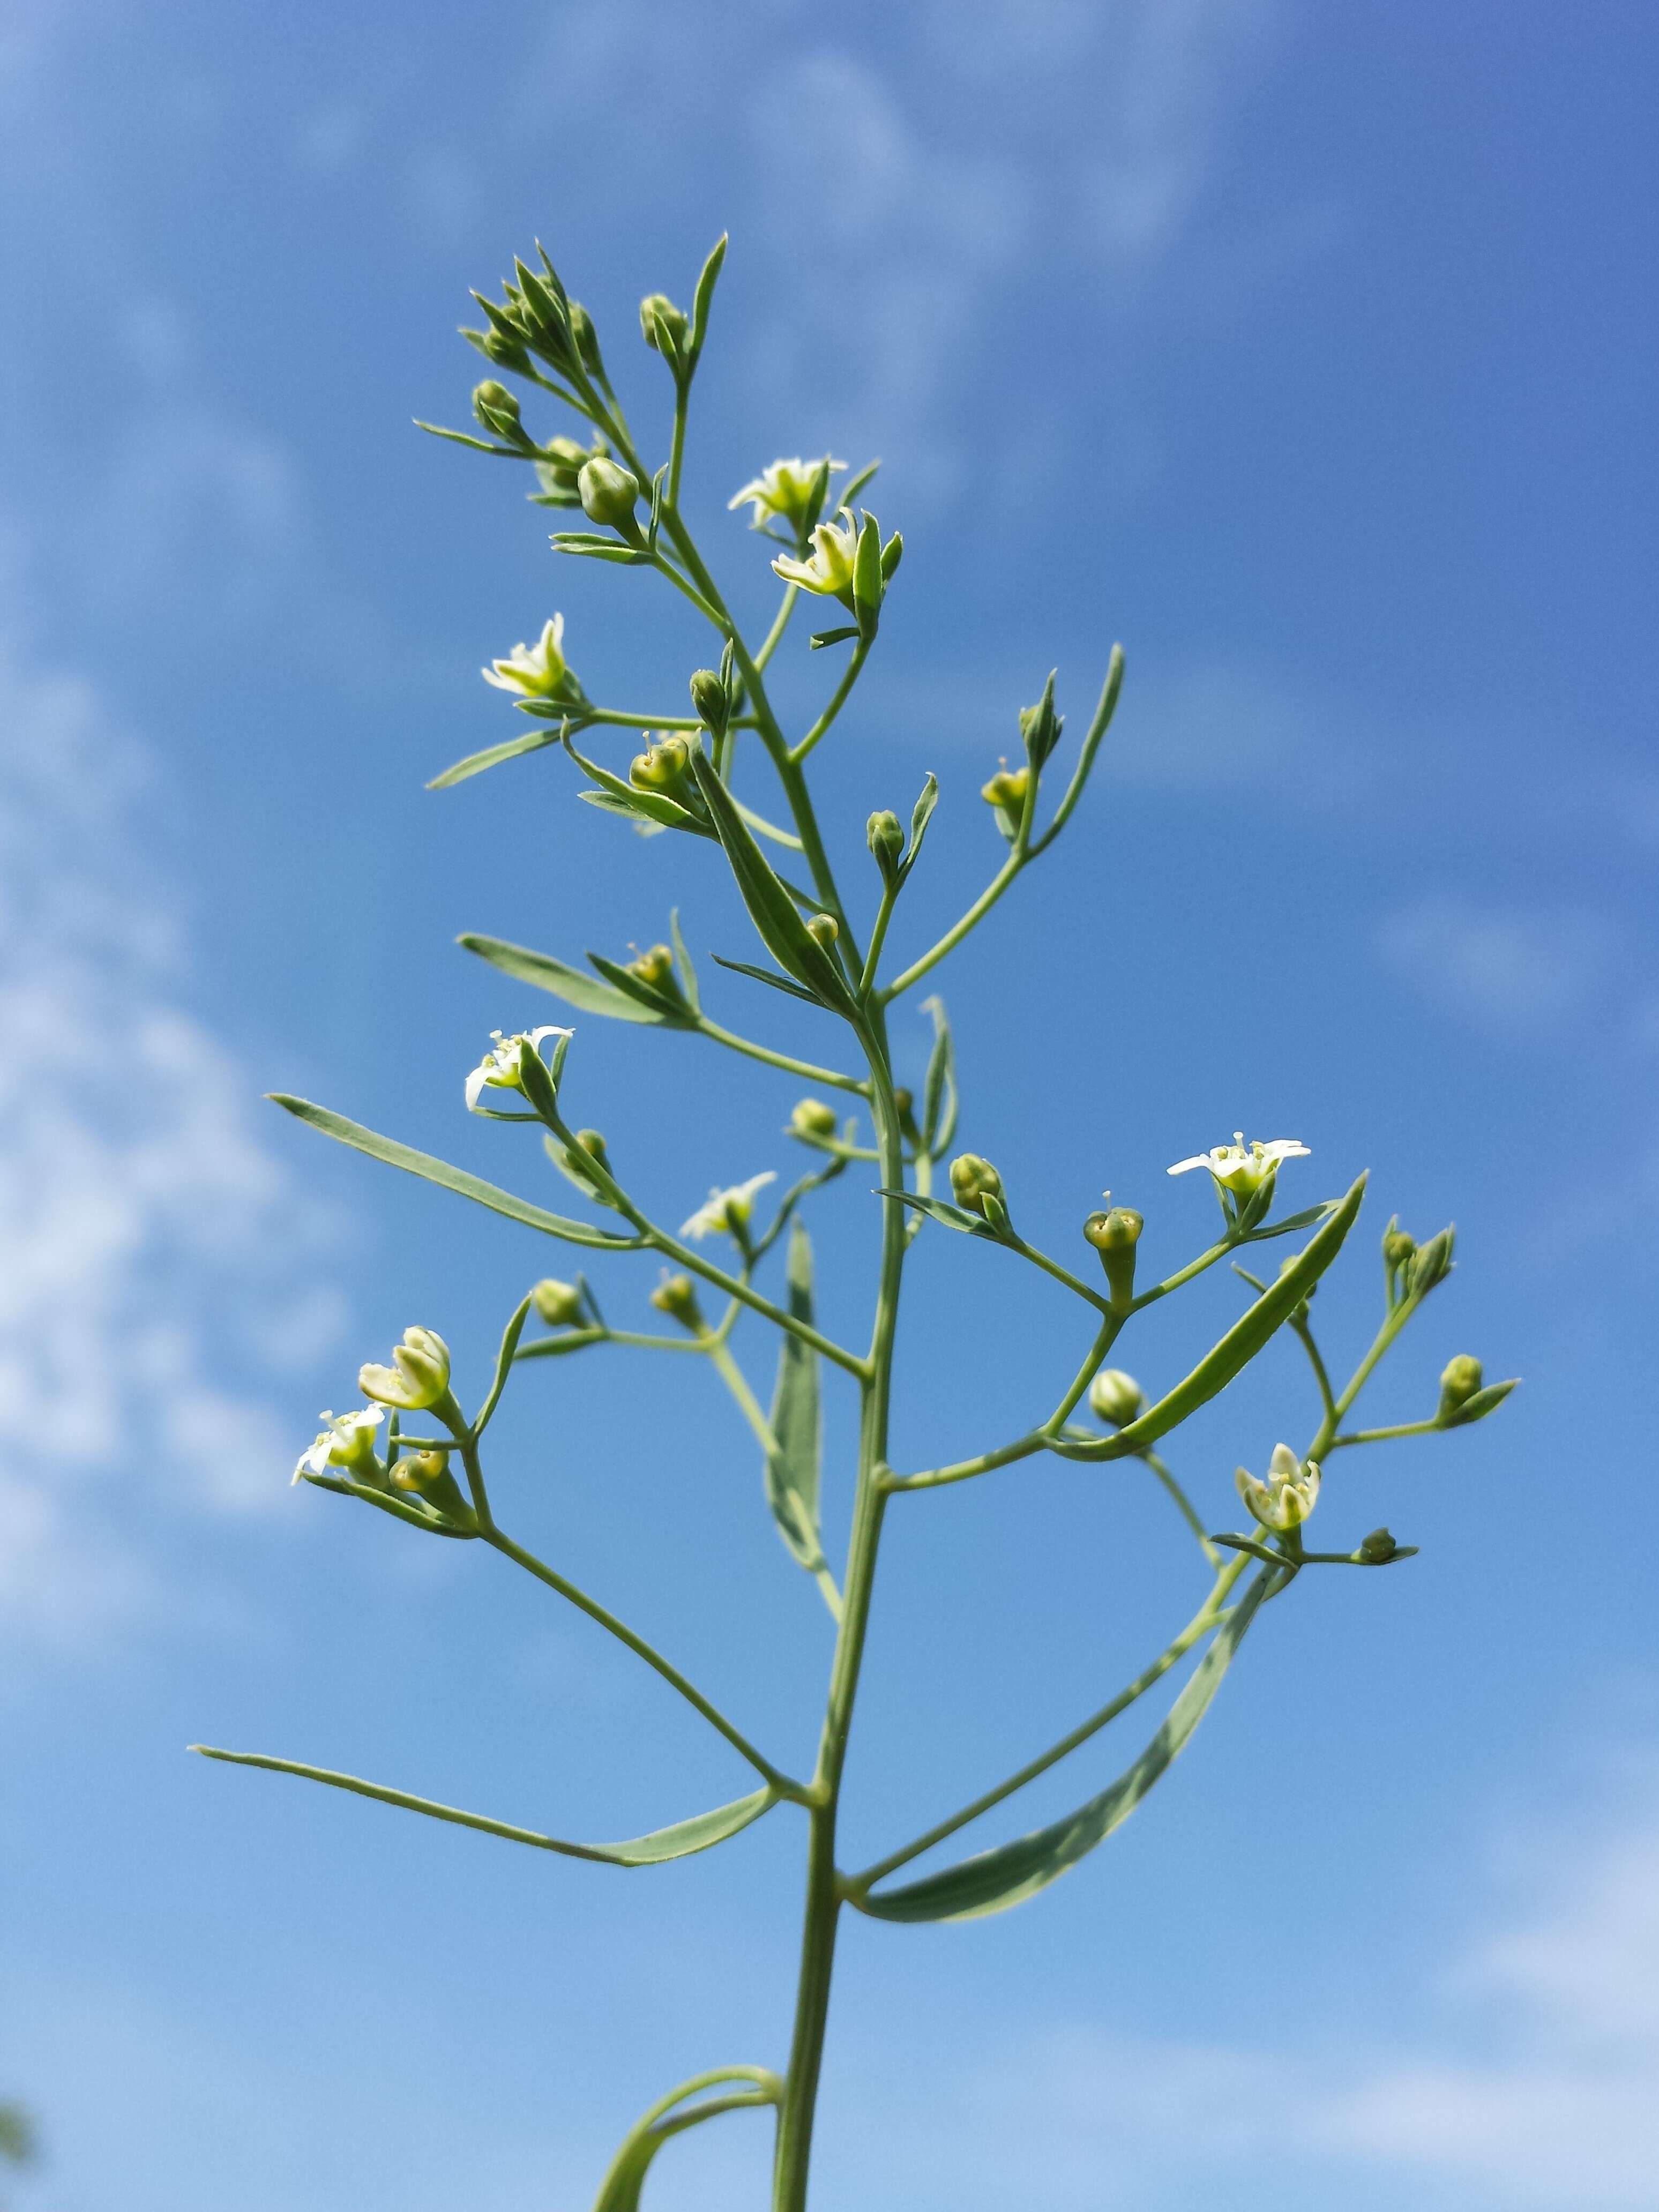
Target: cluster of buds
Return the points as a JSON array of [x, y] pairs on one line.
[[1114, 1235], [536, 317], [1288, 1496], [1412, 1270]]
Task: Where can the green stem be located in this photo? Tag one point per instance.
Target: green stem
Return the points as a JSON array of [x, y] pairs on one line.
[[889, 891], [824, 1897], [1322, 1375], [653, 1659], [1383, 1436], [774, 636], [1188, 1510], [803, 1068], [737, 1383], [838, 699], [953, 937]]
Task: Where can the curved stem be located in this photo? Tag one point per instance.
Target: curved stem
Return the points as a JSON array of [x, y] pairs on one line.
[[803, 1068], [953, 937], [838, 699], [774, 636]]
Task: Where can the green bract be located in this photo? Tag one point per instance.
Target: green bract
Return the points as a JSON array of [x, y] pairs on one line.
[[732, 777]]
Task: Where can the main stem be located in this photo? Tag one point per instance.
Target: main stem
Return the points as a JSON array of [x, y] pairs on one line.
[[823, 1898]]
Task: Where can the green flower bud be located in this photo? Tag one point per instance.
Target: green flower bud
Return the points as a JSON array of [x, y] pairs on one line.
[[1007, 789], [1430, 1264], [905, 1105], [677, 1295], [1115, 1397], [559, 465], [1115, 1236], [587, 339], [1397, 1248], [426, 1475], [884, 835], [609, 494], [1040, 727], [559, 1304], [709, 697], [812, 1118], [1378, 1548], [825, 928], [973, 1180], [591, 1142], [655, 967], [497, 410], [417, 1377], [662, 766], [1460, 1381], [665, 326]]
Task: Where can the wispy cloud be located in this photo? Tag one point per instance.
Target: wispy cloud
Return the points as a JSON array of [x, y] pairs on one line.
[[1508, 969]]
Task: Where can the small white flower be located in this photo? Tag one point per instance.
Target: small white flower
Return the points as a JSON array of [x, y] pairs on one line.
[[501, 1068], [726, 1209], [346, 1442], [539, 670], [783, 489], [1285, 1499], [830, 569], [1241, 1167], [417, 1377]]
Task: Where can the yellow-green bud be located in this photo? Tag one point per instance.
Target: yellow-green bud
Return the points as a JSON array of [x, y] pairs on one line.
[[1462, 1379], [825, 928], [661, 767], [609, 493], [593, 1143], [586, 337], [665, 326], [812, 1118], [677, 1295], [1397, 1248], [426, 1475], [709, 697], [973, 1180], [1115, 1397], [655, 966], [417, 1377], [1007, 789], [1115, 1236], [884, 835], [559, 1304], [1378, 1547], [497, 410]]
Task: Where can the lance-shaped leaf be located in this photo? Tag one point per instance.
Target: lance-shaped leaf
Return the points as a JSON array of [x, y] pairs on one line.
[[448, 1178], [688, 973], [993, 1881], [625, 2176], [1105, 708], [667, 1004], [1239, 1345], [765, 976], [920, 815], [702, 1831], [702, 299], [771, 909], [942, 1211], [474, 763], [939, 1097], [642, 827], [797, 1419], [570, 984]]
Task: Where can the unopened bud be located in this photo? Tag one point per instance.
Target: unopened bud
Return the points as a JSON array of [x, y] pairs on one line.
[[974, 1179], [823, 927], [884, 835], [559, 1304], [586, 337], [812, 1118], [655, 966], [417, 1377], [591, 1142], [665, 326], [497, 410], [1430, 1264], [709, 697], [1115, 1397], [1460, 1381], [1397, 1248], [1378, 1548], [609, 493], [661, 767], [1007, 789], [677, 1295]]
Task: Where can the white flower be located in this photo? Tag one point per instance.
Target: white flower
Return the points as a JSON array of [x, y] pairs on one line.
[[782, 489], [347, 1441], [1285, 1499], [726, 1209], [501, 1068], [1241, 1167], [539, 670], [829, 570], [417, 1377]]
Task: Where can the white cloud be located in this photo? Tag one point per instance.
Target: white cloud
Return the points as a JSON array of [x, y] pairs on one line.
[[155, 1249], [1514, 969]]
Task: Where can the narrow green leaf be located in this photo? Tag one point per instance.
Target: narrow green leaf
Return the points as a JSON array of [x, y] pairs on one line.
[[939, 1108], [547, 974], [688, 973], [636, 820], [643, 994], [699, 1833], [940, 1209], [1104, 710], [1305, 1219], [704, 299], [461, 438], [920, 815], [596, 549], [1243, 1341], [822, 637], [797, 1419], [456, 1179], [475, 763], [764, 975], [771, 909], [993, 1881], [509, 1346]]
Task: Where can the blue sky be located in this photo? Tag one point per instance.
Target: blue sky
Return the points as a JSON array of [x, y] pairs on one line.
[[1309, 352]]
